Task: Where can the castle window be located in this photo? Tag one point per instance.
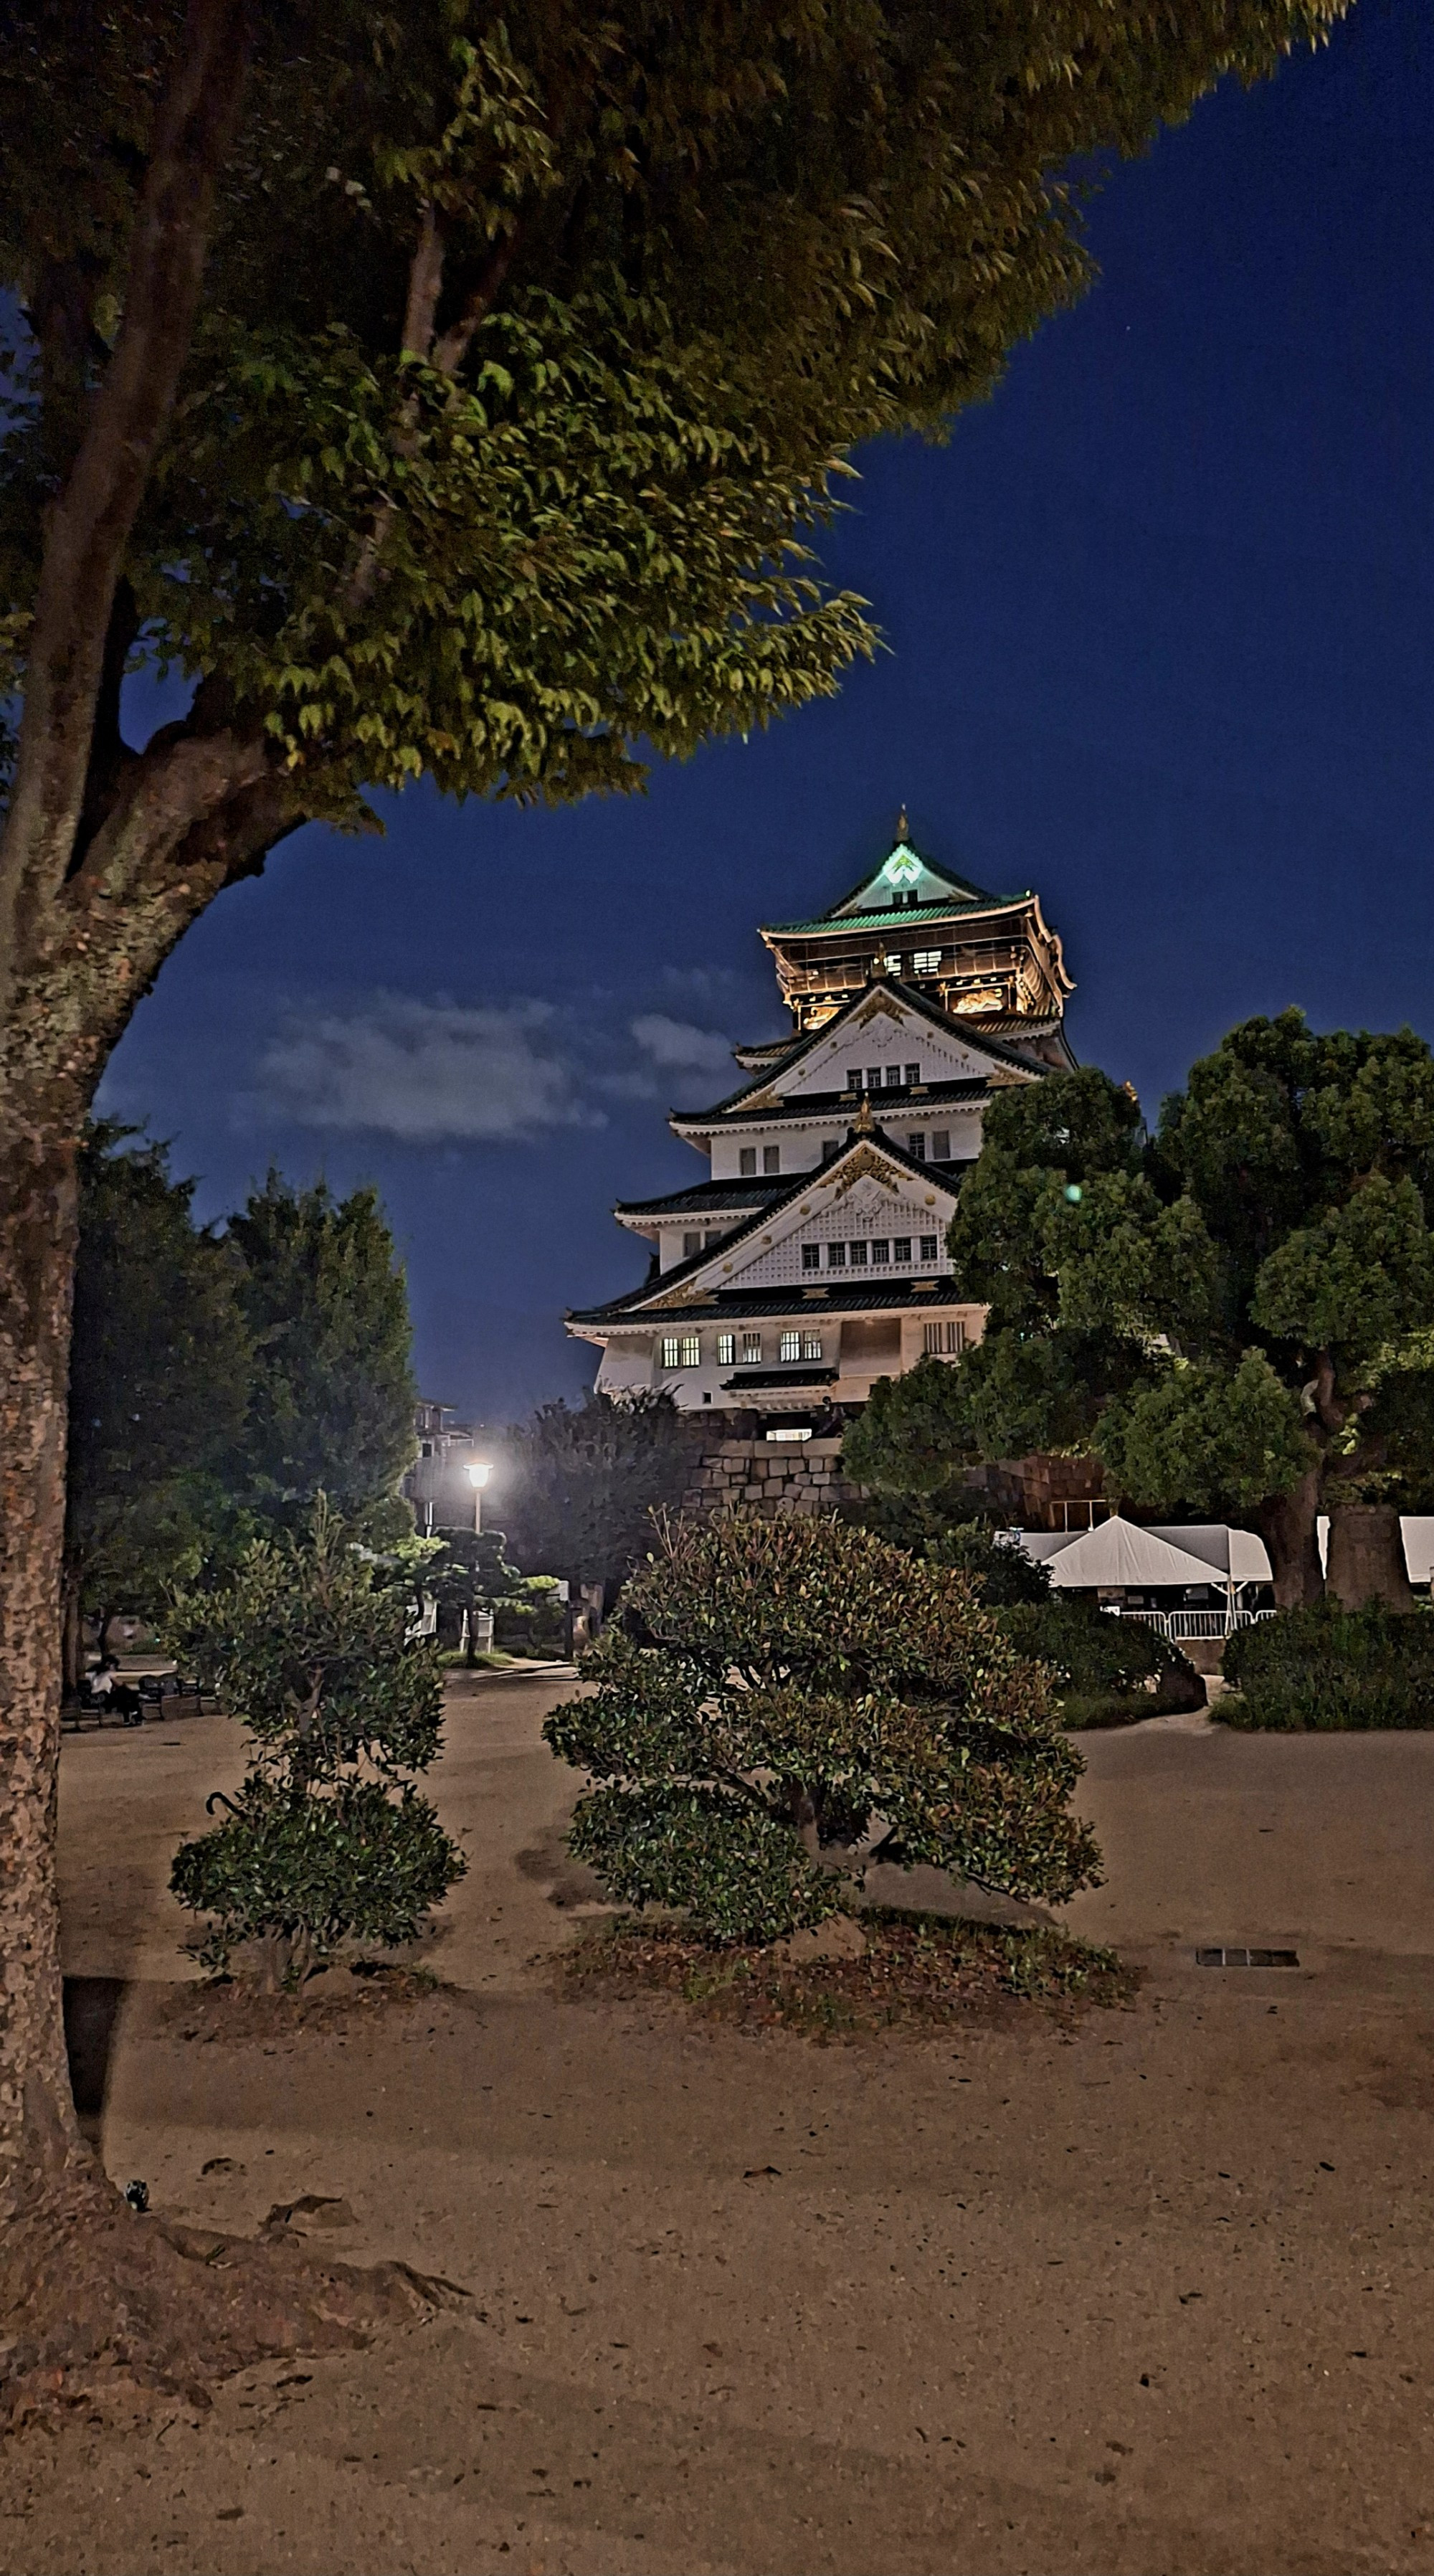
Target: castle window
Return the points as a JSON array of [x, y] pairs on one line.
[[913, 1073], [771, 1158], [811, 1346], [941, 1145], [916, 1148], [751, 1350], [901, 1249], [726, 1349], [873, 1077], [691, 1350], [893, 1077], [927, 961], [857, 1252], [671, 1348], [791, 1346], [945, 1341], [747, 1163], [929, 1245], [425, 1448], [836, 1256], [831, 1145], [880, 1252], [691, 1243], [811, 1256]]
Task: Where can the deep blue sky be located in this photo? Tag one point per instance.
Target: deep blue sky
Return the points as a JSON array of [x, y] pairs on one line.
[[1162, 645]]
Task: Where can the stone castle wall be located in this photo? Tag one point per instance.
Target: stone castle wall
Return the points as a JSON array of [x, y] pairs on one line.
[[776, 1476]]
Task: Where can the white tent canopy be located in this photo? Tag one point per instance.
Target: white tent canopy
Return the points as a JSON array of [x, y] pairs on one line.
[[1116, 1555]]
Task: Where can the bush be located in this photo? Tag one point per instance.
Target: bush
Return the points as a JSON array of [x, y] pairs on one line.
[[768, 1691], [328, 1837], [1106, 1672], [1331, 1668]]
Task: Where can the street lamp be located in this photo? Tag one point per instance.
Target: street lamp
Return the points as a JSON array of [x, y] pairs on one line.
[[478, 1472]]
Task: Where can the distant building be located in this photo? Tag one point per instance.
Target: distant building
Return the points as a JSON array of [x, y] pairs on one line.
[[811, 1258], [435, 1484]]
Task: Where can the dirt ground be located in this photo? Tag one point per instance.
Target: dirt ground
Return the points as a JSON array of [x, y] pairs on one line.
[[1147, 2296]]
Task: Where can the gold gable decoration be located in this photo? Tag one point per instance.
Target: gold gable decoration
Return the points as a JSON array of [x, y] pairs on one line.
[[879, 1005], [865, 1164], [689, 1296]]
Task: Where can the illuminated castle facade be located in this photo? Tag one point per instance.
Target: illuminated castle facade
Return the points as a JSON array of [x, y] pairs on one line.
[[810, 1258]]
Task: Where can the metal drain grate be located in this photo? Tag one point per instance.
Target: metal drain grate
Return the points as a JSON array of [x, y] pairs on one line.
[[1247, 1958]]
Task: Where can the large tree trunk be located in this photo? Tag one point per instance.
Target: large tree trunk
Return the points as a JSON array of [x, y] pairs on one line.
[[1287, 1526], [72, 1631], [1366, 1557], [39, 2137]]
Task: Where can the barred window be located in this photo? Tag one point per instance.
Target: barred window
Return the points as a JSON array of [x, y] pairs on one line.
[[893, 1077], [811, 1256], [945, 1341], [726, 1349], [747, 1162], [901, 1248], [691, 1350], [880, 1252], [836, 1256], [927, 961], [791, 1346], [916, 1148], [873, 1077], [913, 1073], [671, 1349], [941, 1145], [751, 1350], [811, 1346], [856, 1254], [771, 1158], [691, 1243], [929, 1247]]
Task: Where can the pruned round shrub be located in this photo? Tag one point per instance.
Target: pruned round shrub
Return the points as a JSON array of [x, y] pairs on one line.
[[328, 1838], [1328, 1668], [781, 1703]]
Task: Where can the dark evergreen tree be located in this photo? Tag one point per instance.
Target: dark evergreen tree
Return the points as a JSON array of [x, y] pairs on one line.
[[586, 1480], [332, 1405], [160, 1368]]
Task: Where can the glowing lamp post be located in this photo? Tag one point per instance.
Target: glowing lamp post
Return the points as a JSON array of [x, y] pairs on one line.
[[478, 1472]]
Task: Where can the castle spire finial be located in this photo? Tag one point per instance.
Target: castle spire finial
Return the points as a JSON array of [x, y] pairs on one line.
[[864, 1122], [902, 826]]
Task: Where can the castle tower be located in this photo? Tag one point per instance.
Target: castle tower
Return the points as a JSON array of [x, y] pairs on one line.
[[810, 1259]]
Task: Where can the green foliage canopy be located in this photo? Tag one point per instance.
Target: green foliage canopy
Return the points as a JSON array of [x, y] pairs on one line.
[[768, 1687], [1235, 1316]]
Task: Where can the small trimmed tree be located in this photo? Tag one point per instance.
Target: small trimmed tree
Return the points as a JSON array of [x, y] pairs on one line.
[[770, 1692], [328, 1838]]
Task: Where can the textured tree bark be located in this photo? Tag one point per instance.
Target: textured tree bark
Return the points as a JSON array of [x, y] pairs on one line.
[[1287, 1526], [39, 2137], [1366, 1557]]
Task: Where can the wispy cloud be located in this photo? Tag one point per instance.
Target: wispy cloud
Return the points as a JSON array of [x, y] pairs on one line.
[[427, 1072], [677, 1046]]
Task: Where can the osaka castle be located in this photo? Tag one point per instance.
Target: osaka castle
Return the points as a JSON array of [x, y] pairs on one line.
[[809, 1257]]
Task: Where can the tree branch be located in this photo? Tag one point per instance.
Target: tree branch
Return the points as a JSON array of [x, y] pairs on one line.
[[90, 522]]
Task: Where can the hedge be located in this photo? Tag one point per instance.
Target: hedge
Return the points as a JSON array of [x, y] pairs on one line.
[[1328, 1668], [1109, 1672]]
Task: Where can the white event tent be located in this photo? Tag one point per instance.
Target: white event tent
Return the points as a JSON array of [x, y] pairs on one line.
[[1117, 1555]]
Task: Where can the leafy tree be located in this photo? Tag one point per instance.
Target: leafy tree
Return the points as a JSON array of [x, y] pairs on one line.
[[328, 1837], [440, 402], [160, 1365], [587, 1478], [1235, 1317], [331, 1407], [768, 1688]]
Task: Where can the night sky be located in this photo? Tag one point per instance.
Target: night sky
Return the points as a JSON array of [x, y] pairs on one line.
[[1162, 646]]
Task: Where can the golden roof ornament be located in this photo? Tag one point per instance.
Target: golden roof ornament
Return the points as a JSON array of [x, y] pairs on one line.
[[902, 826]]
